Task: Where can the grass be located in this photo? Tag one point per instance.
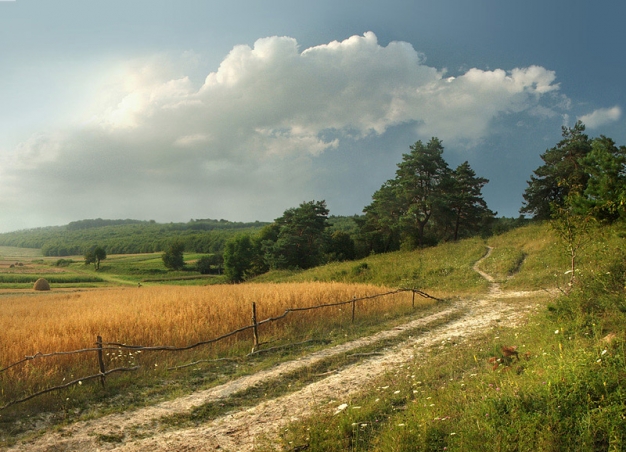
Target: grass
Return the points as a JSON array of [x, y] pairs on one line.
[[442, 271], [566, 392]]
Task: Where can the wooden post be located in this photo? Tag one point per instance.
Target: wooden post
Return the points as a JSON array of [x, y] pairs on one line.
[[353, 307], [255, 328], [413, 301], [101, 361]]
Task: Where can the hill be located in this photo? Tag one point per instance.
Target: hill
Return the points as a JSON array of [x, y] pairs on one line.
[[127, 236]]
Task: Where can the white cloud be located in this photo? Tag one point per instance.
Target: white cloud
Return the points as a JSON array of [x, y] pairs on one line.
[[601, 117], [247, 134]]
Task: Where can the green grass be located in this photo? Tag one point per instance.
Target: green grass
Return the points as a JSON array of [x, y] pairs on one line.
[[445, 269], [565, 393]]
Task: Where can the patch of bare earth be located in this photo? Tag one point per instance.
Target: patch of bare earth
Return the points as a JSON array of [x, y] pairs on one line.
[[241, 429]]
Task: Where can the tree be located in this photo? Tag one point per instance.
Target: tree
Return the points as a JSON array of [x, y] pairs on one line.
[[574, 231], [94, 256], [300, 237], [239, 254], [561, 174], [605, 194], [469, 211], [173, 256], [341, 247], [403, 206], [210, 264]]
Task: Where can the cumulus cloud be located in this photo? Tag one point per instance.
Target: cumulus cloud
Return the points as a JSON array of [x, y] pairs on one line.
[[248, 133], [601, 117]]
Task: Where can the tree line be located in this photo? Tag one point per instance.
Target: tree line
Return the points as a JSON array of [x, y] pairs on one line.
[[427, 202], [128, 236]]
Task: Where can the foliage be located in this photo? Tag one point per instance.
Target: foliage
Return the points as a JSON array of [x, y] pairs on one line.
[[585, 176], [300, 237], [605, 193], [467, 210], [561, 173], [573, 229], [426, 202], [128, 236], [340, 247], [94, 256], [173, 255], [210, 264], [239, 254]]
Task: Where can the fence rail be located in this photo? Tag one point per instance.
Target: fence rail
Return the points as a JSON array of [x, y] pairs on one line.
[[102, 346]]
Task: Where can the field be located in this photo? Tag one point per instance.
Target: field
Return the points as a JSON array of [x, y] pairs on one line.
[[563, 392], [21, 267], [172, 316]]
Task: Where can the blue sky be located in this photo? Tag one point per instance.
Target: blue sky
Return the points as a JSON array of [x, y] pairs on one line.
[[172, 110]]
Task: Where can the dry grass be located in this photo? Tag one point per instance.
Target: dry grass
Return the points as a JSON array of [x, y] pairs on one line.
[[172, 315]]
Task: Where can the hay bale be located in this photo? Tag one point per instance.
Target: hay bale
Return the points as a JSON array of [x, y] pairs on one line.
[[41, 284]]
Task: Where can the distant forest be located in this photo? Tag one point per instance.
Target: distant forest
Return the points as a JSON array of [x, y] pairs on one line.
[[128, 236]]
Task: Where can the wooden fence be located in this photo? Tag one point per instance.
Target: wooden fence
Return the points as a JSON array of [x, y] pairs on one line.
[[101, 346]]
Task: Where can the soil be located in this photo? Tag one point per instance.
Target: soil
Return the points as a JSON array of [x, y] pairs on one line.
[[246, 428]]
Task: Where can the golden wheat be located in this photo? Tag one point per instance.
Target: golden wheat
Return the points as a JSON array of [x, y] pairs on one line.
[[171, 315]]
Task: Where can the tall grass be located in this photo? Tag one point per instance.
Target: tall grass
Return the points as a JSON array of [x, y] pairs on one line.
[[176, 316], [443, 270]]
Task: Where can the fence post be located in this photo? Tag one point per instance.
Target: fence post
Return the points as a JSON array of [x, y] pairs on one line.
[[255, 328], [101, 361], [353, 307], [413, 301]]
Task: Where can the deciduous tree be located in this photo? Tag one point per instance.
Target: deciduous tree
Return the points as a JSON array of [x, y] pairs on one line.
[[173, 255]]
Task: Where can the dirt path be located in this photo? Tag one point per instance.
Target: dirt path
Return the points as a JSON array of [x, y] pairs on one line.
[[239, 431]]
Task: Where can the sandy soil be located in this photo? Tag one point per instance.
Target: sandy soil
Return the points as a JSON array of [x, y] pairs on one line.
[[243, 429]]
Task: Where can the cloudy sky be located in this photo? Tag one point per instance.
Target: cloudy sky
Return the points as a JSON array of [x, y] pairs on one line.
[[173, 110]]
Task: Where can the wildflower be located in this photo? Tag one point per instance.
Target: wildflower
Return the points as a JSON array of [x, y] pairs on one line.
[[603, 352], [396, 392], [556, 332], [340, 408]]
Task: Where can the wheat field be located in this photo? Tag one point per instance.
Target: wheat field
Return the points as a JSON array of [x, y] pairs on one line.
[[171, 315]]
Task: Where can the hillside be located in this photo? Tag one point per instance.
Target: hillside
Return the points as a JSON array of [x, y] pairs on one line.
[[127, 236]]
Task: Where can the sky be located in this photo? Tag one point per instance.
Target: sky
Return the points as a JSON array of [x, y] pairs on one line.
[[188, 109]]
